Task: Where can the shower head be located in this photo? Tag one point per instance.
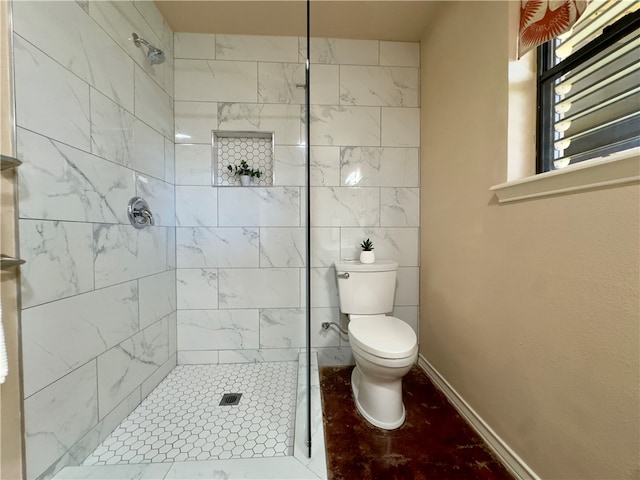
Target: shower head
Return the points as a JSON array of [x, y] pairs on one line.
[[155, 55]]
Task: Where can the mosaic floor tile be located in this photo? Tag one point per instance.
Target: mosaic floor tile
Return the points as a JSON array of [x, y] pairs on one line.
[[182, 419]]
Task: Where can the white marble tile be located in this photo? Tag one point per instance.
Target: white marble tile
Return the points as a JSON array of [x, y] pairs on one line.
[[195, 121], [89, 52], [217, 329], [171, 248], [124, 367], [157, 297], [399, 244], [196, 206], [259, 288], [325, 84], [194, 46], [123, 253], [59, 258], [408, 288], [153, 105], [59, 336], [325, 246], [58, 416], [59, 464], [256, 47], [321, 338], [283, 468], [161, 199], [156, 377], [193, 164], [84, 4], [289, 165], [325, 166], [278, 83], [148, 150], [169, 76], [154, 19], [345, 125], [341, 51], [400, 54], [172, 325], [259, 206], [169, 161], [324, 289], [283, 120], [400, 127], [345, 206], [217, 247], [197, 288], [334, 356], [256, 356], [282, 247], [119, 20], [399, 207], [282, 328], [214, 81], [383, 86], [87, 444], [379, 167], [112, 133], [140, 471], [57, 181], [44, 89], [197, 357]]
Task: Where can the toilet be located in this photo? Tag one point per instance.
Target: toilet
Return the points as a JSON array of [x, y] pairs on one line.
[[384, 347]]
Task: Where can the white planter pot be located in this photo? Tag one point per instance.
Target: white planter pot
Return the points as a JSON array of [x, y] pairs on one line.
[[367, 257], [245, 180]]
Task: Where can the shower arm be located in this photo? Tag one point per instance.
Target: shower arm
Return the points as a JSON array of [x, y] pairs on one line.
[[137, 41]]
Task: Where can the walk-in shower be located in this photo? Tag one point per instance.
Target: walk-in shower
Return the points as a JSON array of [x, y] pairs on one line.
[[186, 340]]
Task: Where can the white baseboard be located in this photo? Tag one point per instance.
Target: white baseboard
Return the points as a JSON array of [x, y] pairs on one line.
[[507, 456]]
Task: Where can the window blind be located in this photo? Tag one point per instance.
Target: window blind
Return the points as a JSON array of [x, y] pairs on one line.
[[590, 80]]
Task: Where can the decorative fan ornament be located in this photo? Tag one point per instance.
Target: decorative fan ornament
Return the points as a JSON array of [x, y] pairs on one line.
[[543, 20]]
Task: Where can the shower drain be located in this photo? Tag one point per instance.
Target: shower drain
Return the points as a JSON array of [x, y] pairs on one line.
[[229, 399]]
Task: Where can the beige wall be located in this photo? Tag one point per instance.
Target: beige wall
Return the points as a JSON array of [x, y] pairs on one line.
[[529, 310]]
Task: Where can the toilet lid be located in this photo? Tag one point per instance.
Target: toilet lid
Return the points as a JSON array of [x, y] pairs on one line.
[[382, 336]]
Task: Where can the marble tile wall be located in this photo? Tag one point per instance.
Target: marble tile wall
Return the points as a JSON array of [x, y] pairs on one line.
[[240, 251], [95, 127]]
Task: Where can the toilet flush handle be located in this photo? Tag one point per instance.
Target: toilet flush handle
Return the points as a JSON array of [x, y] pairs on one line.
[[343, 275]]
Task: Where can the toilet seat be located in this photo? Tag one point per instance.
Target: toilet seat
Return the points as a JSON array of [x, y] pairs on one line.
[[383, 336]]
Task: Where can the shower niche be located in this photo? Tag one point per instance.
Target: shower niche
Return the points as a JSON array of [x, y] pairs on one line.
[[233, 147]]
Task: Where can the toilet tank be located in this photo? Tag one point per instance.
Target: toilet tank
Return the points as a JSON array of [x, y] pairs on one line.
[[369, 288]]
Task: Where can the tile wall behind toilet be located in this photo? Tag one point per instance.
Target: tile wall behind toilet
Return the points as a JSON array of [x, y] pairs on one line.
[[241, 250], [95, 128]]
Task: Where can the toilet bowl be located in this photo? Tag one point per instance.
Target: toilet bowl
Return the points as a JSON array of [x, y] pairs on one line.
[[384, 349]]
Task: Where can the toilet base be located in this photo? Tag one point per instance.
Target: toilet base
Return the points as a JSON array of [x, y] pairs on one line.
[[384, 401]]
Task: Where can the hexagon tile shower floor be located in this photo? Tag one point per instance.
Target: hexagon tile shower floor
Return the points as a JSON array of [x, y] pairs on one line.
[[182, 418]]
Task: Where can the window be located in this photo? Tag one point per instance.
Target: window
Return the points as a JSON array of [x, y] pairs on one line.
[[589, 87]]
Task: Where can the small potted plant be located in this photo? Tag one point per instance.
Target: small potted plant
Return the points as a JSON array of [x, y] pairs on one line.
[[245, 172], [367, 255]]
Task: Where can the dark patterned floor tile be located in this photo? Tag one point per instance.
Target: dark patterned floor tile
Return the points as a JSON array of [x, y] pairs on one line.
[[434, 443]]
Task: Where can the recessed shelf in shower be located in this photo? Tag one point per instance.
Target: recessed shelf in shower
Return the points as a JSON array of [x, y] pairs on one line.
[[231, 147]]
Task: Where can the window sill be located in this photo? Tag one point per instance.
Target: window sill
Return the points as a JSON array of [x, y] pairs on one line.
[[591, 174]]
